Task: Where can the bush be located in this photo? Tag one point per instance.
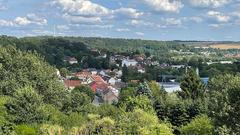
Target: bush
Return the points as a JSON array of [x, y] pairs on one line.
[[25, 130]]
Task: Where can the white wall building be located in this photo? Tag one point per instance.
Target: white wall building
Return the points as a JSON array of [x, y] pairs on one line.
[[129, 62]]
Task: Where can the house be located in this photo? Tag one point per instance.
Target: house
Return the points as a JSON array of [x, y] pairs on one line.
[[140, 69], [129, 62], [102, 73], [93, 71], [221, 62], [98, 87], [120, 85], [112, 81], [106, 78], [119, 73], [98, 79], [178, 66], [164, 65], [71, 60], [98, 84], [210, 63], [109, 96], [84, 76], [226, 62], [114, 90], [71, 84], [138, 58]]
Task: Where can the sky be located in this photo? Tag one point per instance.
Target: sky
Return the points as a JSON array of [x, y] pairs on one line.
[[216, 20]]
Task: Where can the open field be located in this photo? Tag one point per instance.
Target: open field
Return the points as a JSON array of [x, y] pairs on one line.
[[226, 46]]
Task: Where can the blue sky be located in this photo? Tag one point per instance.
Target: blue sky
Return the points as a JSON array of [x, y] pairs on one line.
[[142, 19]]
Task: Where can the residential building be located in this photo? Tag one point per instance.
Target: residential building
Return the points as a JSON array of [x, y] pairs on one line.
[[129, 62], [71, 84]]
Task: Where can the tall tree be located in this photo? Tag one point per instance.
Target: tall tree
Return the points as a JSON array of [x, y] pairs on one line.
[[192, 86], [224, 102], [144, 89], [124, 73]]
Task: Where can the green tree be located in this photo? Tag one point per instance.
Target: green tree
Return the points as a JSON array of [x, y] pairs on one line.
[[157, 92], [201, 125], [127, 92], [64, 72], [25, 106], [139, 102], [25, 130], [47, 129], [6, 127], [143, 123], [224, 102], [192, 86], [144, 89], [124, 74], [84, 89], [19, 69], [76, 102], [96, 125]]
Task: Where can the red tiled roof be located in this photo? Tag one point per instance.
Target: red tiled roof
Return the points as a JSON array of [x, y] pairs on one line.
[[72, 83], [98, 85], [82, 74], [98, 78], [93, 86]]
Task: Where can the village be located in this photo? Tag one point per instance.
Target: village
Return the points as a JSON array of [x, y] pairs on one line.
[[105, 83]]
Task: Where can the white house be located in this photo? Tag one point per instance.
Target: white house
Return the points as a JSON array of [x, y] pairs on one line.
[[71, 60], [226, 62], [112, 81], [129, 62], [177, 66], [119, 73]]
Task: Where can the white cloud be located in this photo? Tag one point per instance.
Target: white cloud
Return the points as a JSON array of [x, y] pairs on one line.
[[23, 21], [196, 19], [6, 23], [236, 14], [209, 3], [128, 12], [33, 18], [219, 17], [123, 29], [62, 27], [214, 25], [139, 33], [82, 19], [173, 22], [81, 7], [173, 6], [135, 22], [93, 26], [83, 11]]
